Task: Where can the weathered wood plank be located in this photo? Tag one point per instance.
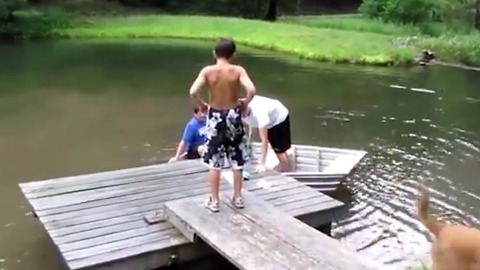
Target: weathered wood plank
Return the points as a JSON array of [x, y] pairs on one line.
[[94, 228], [142, 203], [159, 228], [82, 197], [121, 231], [271, 228], [112, 192], [124, 252], [92, 221], [119, 211], [334, 255], [151, 203], [240, 239], [120, 181], [103, 245], [83, 179], [142, 258], [69, 236], [166, 187], [281, 185], [163, 245], [108, 226]]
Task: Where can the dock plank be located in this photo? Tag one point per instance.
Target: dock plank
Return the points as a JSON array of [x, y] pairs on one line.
[[124, 219], [110, 177], [261, 236], [244, 243], [97, 220], [314, 244]]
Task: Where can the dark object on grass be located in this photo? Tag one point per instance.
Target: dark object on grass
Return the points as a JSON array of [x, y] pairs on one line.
[[426, 57]]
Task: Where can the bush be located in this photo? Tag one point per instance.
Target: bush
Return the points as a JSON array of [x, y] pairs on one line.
[[32, 24], [7, 7], [400, 11]]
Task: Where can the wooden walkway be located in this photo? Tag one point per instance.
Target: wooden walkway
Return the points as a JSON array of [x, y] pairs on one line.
[[261, 236], [97, 220]]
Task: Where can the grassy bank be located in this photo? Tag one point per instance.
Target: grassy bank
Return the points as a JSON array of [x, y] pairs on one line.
[[340, 38], [353, 22], [451, 45], [307, 42]]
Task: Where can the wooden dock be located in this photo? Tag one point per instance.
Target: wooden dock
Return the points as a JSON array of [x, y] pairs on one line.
[[261, 236], [96, 221]]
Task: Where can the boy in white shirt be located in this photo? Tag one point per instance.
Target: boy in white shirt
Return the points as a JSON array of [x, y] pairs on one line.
[[271, 118]]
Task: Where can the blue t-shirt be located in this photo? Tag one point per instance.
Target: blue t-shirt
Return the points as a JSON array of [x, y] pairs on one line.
[[194, 133]]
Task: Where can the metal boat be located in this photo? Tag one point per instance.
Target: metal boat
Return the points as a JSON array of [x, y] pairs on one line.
[[322, 168]]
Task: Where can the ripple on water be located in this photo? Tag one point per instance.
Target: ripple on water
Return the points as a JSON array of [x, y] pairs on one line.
[[381, 223]]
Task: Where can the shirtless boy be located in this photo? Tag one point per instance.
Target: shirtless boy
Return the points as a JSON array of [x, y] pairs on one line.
[[225, 131]]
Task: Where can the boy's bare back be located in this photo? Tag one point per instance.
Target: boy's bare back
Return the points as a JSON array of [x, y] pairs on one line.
[[223, 82]]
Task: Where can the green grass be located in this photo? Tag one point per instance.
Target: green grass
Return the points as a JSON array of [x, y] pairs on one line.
[[354, 22], [464, 49], [307, 42], [451, 45], [337, 38]]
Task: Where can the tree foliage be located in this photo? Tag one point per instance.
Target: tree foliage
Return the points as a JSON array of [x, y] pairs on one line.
[[7, 7], [240, 8], [400, 11], [455, 13], [458, 12]]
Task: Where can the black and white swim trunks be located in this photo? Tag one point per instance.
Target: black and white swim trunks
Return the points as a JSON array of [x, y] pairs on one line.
[[225, 139]]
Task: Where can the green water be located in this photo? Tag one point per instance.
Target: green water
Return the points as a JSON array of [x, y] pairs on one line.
[[75, 107]]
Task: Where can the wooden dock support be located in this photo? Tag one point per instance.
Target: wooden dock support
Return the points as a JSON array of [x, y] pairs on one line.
[[261, 236]]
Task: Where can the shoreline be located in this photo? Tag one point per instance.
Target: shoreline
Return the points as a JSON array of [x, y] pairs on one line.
[[456, 65], [321, 45], [273, 49]]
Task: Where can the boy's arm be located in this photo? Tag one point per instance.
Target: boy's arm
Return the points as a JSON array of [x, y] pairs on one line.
[[186, 140], [262, 120], [263, 134], [247, 83], [197, 87]]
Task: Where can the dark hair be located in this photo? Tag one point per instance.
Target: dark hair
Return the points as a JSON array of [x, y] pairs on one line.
[[225, 48], [197, 109]]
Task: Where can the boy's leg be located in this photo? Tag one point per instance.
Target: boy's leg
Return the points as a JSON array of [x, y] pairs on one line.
[[280, 140], [236, 154], [237, 183], [284, 164], [213, 157], [214, 180], [213, 200]]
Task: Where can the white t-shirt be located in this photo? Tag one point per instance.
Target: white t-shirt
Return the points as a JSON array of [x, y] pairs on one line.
[[265, 112]]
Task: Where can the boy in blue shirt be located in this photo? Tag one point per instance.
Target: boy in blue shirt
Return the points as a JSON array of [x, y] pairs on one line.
[[193, 138]]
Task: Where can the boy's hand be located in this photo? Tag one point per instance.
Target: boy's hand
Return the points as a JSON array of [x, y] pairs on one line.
[[243, 107], [260, 168]]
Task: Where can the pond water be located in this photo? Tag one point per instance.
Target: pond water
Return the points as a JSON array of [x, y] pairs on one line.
[[76, 107]]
